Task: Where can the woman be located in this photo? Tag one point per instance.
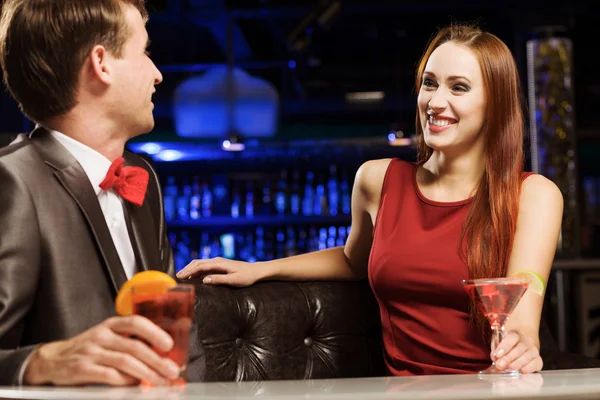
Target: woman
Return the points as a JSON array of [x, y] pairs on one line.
[[465, 209]]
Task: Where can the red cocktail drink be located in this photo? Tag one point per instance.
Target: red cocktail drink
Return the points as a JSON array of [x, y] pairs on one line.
[[172, 311], [496, 299]]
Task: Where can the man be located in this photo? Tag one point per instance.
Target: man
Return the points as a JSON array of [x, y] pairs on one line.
[[68, 240]]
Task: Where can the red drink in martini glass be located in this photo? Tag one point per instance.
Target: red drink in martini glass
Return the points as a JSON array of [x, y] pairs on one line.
[[496, 298]]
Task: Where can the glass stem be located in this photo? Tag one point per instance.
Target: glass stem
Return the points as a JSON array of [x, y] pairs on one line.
[[497, 335]]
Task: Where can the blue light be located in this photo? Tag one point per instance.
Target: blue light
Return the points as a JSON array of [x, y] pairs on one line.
[[150, 148], [391, 136], [202, 109], [226, 144], [169, 155], [292, 64]]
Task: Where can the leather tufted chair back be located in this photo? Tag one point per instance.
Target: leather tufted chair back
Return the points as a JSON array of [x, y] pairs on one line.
[[289, 330], [307, 330]]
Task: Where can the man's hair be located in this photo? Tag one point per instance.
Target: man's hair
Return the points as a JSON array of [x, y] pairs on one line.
[[44, 43]]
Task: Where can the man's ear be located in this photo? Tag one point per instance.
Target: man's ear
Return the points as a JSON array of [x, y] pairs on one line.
[[100, 64]]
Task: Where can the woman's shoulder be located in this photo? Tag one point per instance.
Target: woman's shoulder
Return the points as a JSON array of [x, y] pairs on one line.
[[532, 180], [375, 166], [372, 175], [537, 189], [381, 166]]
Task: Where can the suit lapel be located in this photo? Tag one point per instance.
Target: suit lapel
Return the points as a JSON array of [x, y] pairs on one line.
[[73, 178], [141, 229]]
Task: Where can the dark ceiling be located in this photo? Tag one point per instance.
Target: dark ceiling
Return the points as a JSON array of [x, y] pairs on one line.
[[340, 46], [351, 45]]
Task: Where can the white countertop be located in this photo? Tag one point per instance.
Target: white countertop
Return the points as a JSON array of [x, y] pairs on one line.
[[565, 384]]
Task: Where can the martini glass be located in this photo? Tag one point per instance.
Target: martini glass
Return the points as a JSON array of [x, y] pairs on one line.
[[496, 299]]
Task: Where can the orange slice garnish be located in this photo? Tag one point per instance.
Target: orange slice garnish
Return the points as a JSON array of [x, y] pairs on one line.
[[148, 282]]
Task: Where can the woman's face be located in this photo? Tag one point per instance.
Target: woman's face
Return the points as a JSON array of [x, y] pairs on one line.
[[452, 98]]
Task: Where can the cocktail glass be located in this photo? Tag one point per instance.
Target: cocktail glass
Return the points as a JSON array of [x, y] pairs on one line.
[[496, 298], [172, 311]]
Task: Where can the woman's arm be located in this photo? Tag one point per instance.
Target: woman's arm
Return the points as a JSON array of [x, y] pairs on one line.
[[340, 263], [536, 238]]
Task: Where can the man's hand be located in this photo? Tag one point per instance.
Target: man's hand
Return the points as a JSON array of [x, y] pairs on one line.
[[105, 354]]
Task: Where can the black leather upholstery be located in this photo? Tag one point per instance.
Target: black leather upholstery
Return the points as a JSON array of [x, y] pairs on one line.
[[306, 330], [289, 330]]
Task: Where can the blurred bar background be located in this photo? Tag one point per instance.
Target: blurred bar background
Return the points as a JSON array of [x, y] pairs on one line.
[[267, 109]]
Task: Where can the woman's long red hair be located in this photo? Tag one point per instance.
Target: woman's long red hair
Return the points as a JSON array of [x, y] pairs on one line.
[[489, 230]]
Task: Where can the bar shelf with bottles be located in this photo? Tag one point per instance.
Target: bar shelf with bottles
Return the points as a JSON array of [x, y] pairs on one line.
[[252, 199], [257, 215], [255, 244], [272, 200]]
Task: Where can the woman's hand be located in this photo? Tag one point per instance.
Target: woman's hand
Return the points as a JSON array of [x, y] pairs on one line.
[[222, 271], [517, 352]]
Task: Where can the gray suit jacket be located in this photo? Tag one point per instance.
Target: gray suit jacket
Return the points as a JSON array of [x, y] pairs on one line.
[[59, 269]]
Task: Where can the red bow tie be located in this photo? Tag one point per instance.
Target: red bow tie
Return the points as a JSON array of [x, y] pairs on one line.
[[129, 182]]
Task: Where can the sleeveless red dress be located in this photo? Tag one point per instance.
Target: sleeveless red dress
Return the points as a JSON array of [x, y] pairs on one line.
[[415, 272]]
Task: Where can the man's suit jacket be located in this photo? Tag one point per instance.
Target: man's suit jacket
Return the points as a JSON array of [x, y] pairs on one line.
[[59, 269]]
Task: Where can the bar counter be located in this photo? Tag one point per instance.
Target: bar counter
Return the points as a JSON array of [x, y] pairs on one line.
[[562, 384]]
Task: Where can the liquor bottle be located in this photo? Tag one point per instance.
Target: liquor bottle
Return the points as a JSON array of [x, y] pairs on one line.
[[266, 199], [331, 237], [280, 244], [250, 248], [207, 200], [183, 252], [170, 198], [236, 200], [281, 197], [345, 196], [341, 237], [320, 200], [290, 243], [183, 202], [249, 200], [309, 195], [333, 194], [295, 194], [196, 199], [204, 246], [221, 201], [260, 244], [302, 243]]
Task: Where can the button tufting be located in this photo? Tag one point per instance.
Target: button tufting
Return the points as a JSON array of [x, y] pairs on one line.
[[308, 342], [239, 342]]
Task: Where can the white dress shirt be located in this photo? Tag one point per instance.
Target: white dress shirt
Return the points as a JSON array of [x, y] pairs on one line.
[[96, 166]]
